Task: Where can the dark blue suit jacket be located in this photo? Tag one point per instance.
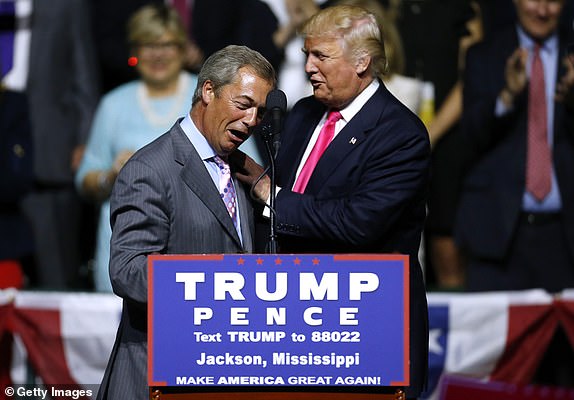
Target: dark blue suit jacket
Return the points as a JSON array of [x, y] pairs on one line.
[[491, 200], [367, 194], [16, 174]]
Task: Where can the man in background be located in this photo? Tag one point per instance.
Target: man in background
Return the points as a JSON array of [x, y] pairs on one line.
[[516, 217], [50, 58], [515, 222]]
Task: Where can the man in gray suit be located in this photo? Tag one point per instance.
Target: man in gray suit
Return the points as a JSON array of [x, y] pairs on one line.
[[166, 200]]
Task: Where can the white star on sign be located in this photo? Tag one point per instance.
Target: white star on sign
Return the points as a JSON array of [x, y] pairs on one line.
[[434, 345]]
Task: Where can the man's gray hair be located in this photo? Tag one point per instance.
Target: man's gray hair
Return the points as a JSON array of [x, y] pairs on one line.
[[221, 68]]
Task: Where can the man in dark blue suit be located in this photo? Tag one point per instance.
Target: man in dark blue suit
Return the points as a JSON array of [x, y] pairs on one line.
[[516, 236], [367, 192]]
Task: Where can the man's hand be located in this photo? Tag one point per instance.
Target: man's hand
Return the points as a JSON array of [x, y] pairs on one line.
[[515, 75], [120, 160], [300, 11], [251, 173], [77, 155]]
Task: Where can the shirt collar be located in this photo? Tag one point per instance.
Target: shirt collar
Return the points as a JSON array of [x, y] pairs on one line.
[[197, 139], [358, 102], [526, 41]]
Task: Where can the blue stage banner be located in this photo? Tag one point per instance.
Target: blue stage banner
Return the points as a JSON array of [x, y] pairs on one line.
[[278, 320]]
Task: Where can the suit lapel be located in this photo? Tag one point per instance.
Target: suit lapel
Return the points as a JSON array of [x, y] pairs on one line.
[[37, 34], [347, 140], [507, 44], [245, 212], [196, 177]]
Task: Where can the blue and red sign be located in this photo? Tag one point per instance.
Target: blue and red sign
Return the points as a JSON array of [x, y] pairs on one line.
[[278, 320]]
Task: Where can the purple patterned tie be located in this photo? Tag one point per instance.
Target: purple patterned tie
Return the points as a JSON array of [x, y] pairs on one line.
[[7, 15], [226, 189]]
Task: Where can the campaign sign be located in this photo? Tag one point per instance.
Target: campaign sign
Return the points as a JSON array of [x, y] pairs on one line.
[[278, 320]]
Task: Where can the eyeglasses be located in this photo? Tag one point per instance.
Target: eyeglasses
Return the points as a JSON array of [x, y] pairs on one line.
[[170, 47]]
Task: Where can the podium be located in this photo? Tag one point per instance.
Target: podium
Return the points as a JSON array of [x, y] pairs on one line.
[[157, 394], [278, 327]]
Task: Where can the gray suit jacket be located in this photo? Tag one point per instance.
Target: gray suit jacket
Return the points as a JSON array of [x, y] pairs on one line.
[[62, 87], [164, 201]]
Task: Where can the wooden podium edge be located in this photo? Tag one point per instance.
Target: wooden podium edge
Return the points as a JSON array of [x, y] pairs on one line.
[[157, 394]]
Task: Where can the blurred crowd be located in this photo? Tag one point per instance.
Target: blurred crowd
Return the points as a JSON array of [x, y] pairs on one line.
[[85, 83]]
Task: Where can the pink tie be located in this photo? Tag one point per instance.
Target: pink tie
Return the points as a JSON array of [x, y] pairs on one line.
[[325, 137], [538, 162], [226, 189]]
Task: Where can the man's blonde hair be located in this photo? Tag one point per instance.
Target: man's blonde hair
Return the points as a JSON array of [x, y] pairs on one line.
[[357, 29]]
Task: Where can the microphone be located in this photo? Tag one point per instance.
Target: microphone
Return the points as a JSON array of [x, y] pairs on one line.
[[276, 104]]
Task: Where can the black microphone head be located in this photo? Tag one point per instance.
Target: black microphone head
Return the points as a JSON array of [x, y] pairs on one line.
[[276, 105], [276, 99]]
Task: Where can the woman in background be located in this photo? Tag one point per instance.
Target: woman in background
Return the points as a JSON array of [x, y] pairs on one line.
[[135, 113]]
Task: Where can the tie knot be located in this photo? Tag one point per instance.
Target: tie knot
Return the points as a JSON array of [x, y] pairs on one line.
[[536, 49], [334, 116], [222, 164]]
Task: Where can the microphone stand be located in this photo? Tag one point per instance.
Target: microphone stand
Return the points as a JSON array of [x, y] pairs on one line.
[[272, 244], [276, 103]]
